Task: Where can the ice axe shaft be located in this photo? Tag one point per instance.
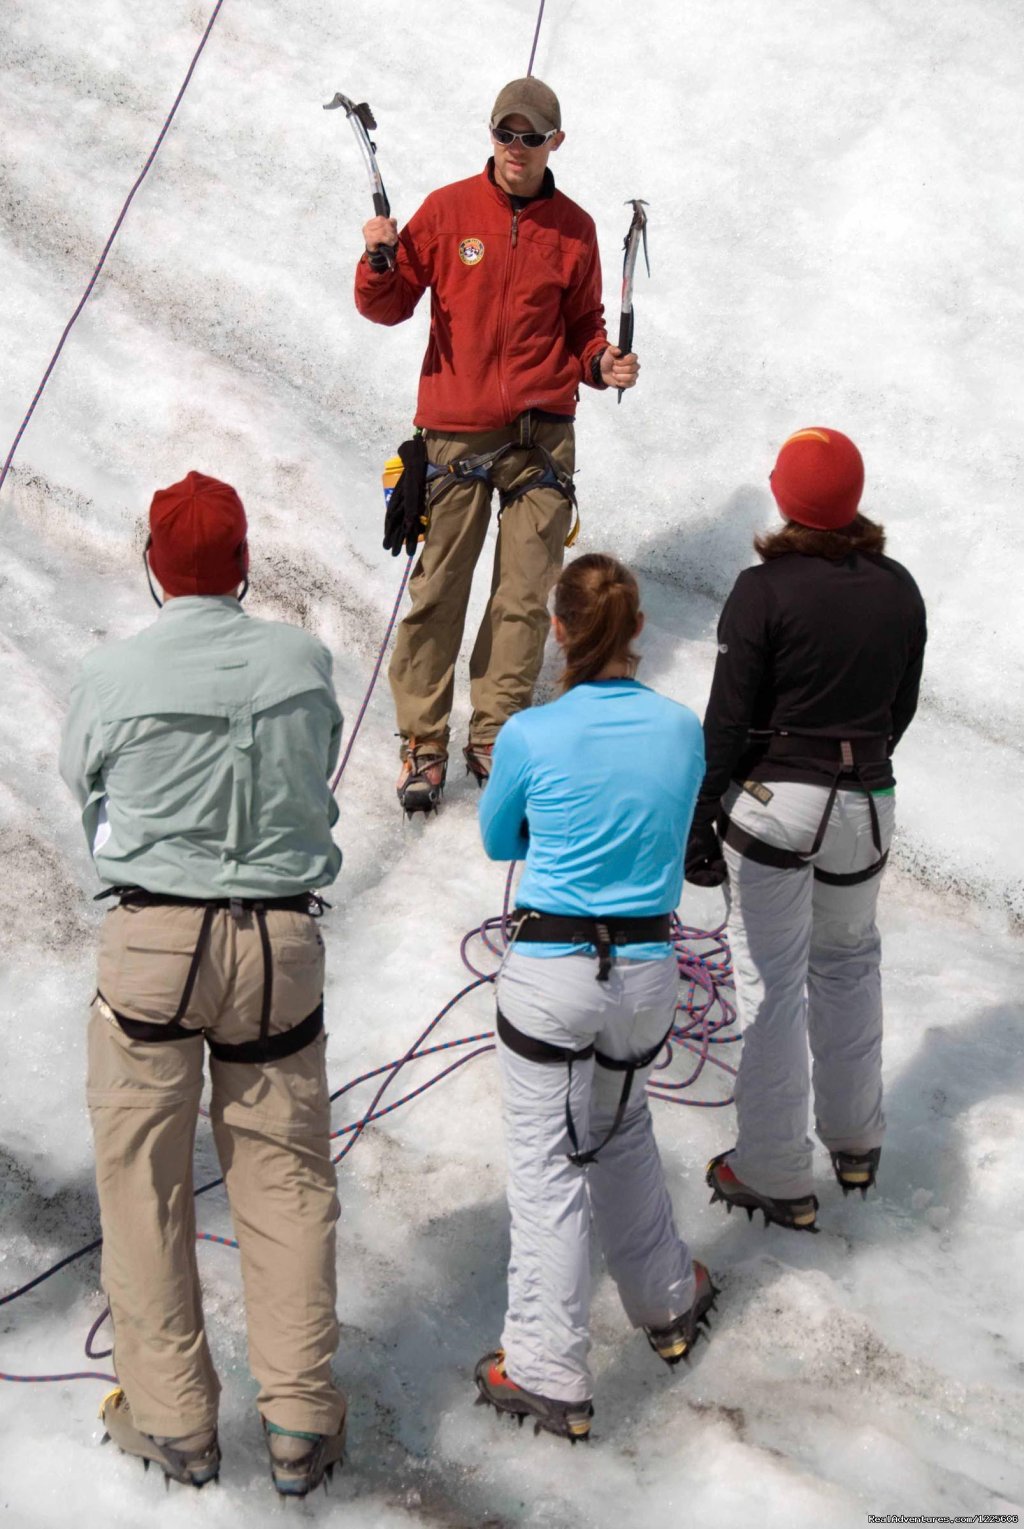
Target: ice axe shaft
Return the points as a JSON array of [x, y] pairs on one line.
[[635, 236], [363, 123]]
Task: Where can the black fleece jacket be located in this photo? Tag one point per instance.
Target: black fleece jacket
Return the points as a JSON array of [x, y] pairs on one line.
[[811, 647]]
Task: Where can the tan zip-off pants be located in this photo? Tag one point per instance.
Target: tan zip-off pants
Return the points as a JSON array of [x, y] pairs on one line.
[[271, 1125], [509, 647]]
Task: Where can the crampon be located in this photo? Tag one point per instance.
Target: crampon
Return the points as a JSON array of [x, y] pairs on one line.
[[675, 1341], [299, 1462], [192, 1459], [799, 1215], [478, 757], [421, 779], [569, 1420], [856, 1170]]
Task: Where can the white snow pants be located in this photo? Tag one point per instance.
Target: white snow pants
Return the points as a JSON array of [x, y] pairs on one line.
[[558, 1000], [806, 956]]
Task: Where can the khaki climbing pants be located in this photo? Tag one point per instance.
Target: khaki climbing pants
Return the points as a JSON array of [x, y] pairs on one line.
[[271, 1127], [509, 647]]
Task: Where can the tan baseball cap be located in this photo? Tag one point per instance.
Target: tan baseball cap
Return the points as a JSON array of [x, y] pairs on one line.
[[529, 98]]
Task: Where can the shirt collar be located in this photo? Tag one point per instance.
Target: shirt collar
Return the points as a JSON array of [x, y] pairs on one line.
[[546, 192], [186, 607]]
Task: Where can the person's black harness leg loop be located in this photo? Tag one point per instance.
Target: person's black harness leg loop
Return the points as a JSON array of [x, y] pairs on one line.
[[267, 1048], [544, 1052], [268, 978], [173, 1030]]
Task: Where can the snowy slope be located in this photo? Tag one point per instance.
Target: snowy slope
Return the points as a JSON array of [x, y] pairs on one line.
[[835, 229]]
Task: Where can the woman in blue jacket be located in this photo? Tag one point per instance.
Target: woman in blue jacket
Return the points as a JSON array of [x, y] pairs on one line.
[[596, 792]]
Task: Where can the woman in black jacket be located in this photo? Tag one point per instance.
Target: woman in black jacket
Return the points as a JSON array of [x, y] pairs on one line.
[[820, 651]]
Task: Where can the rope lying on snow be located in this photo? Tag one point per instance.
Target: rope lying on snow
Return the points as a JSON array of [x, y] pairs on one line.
[[705, 1018]]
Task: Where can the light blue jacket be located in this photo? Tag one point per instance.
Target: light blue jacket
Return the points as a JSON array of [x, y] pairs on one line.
[[605, 779], [200, 752]]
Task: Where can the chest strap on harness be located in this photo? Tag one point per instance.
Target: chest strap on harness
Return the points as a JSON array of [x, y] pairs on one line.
[[531, 927], [534, 1050], [268, 1048]]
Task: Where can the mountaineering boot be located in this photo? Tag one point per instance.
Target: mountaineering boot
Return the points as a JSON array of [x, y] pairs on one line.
[[799, 1215], [300, 1461], [569, 1420], [193, 1459], [421, 778], [674, 1341], [856, 1170], [478, 757]]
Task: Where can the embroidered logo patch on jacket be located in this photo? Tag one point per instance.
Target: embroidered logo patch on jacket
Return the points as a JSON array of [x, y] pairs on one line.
[[471, 251]]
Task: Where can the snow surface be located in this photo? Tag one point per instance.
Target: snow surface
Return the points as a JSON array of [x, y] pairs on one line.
[[836, 221]]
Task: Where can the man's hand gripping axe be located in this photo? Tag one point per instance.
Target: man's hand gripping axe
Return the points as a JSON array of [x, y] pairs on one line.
[[363, 123], [636, 234]]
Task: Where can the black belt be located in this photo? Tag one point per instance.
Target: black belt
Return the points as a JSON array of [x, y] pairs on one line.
[[534, 1050], [603, 931], [845, 752], [268, 1048], [298, 902]]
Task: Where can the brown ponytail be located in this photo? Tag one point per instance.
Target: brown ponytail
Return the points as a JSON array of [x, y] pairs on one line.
[[597, 600]]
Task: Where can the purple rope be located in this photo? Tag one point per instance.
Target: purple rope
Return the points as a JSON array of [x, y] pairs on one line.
[[373, 678], [90, 1352], [107, 247], [76, 1375], [536, 35], [360, 1125]]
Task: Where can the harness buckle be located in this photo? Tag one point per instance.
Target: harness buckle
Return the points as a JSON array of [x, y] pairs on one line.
[[525, 423], [236, 909], [603, 944]]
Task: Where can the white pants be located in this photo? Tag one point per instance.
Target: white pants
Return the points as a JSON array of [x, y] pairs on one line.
[[806, 956], [546, 1338]]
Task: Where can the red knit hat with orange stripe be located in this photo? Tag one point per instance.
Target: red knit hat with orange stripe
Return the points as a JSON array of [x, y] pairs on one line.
[[818, 479]]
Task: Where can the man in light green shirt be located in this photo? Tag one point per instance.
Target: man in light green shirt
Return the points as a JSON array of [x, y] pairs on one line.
[[201, 752]]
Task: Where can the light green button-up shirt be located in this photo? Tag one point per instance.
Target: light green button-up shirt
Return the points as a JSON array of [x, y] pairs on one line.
[[200, 752]]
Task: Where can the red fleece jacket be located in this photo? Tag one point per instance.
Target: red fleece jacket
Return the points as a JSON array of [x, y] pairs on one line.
[[515, 316]]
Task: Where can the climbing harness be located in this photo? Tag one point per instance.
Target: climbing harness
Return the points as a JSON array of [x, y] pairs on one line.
[[847, 757], [547, 1054], [267, 1048], [531, 927], [479, 465]]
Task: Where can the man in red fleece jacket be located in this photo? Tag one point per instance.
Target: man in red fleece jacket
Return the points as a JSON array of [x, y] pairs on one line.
[[516, 325]]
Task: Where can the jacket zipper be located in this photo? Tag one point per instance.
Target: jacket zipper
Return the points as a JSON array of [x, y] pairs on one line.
[[503, 314]]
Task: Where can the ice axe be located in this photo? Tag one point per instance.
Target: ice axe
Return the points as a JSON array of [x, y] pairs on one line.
[[363, 123], [635, 236]]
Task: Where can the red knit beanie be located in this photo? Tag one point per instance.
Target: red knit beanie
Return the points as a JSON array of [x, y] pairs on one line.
[[818, 479], [197, 540]]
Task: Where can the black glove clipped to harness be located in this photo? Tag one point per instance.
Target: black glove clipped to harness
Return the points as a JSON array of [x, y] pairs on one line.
[[406, 513], [705, 866]]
